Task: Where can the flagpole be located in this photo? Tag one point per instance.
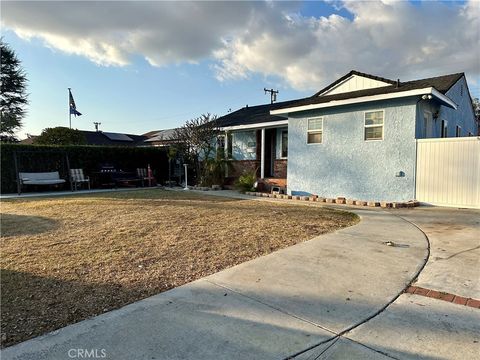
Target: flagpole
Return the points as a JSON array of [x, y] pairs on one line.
[[69, 112]]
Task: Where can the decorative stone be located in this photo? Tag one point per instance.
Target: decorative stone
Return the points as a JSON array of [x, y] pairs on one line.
[[330, 201], [350, 202], [360, 203], [373, 203], [385, 204], [340, 200]]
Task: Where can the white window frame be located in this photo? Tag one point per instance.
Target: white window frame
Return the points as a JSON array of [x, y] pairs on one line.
[[443, 128], [458, 131], [429, 117], [315, 131], [374, 125], [281, 143]]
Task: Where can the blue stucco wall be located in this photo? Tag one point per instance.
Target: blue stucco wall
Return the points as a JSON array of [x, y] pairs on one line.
[[463, 116], [347, 165]]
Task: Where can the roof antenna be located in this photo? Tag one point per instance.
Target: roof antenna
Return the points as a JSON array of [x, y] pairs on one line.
[[96, 125], [398, 83], [273, 94]]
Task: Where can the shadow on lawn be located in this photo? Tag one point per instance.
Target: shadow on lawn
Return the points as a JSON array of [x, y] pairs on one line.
[[33, 305], [18, 225]]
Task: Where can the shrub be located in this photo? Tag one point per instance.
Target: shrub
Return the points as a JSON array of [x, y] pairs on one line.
[[246, 181]]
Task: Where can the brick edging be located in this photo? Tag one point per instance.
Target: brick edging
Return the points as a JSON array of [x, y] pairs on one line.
[[338, 200], [440, 295]]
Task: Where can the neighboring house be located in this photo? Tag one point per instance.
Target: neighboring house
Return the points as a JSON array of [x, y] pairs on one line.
[[160, 137], [354, 138], [104, 139]]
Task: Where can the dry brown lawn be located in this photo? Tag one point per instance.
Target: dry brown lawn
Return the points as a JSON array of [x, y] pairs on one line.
[[66, 259]]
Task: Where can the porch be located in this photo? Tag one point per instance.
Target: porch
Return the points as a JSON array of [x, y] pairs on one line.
[[260, 149]]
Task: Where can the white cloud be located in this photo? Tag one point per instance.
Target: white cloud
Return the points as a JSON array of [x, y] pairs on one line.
[[386, 38]]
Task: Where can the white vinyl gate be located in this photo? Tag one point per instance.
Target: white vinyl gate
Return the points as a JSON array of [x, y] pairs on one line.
[[448, 172]]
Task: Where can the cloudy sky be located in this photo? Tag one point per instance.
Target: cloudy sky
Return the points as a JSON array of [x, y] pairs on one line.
[[146, 65]]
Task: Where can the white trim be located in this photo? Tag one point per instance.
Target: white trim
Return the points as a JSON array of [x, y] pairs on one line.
[[463, 138], [281, 144], [315, 131], [353, 76], [256, 126], [374, 125], [444, 98], [262, 156], [424, 91]]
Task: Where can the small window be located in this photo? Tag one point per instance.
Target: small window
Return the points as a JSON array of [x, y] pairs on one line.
[[315, 131], [284, 144], [444, 129], [374, 125], [458, 131]]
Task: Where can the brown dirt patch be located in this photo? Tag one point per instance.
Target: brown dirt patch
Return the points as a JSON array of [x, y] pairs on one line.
[[66, 259]]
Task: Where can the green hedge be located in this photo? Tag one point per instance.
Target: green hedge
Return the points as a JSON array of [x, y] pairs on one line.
[[42, 158]]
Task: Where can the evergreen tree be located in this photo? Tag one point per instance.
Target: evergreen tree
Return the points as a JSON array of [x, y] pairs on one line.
[[60, 136], [13, 96]]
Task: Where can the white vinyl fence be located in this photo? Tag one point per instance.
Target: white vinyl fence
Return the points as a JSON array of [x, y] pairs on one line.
[[448, 171]]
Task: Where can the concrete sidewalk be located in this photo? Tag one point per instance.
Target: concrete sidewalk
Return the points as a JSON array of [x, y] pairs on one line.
[[268, 308]]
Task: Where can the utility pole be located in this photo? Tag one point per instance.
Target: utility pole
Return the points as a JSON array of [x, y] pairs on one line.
[[273, 94], [96, 125]]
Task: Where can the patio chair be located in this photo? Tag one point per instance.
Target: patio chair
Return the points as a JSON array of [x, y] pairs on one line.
[[77, 178], [146, 175]]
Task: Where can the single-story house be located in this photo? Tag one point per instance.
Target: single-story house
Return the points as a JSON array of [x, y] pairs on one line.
[[164, 137], [355, 138]]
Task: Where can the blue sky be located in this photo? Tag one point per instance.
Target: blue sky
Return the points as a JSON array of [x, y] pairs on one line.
[[135, 74]]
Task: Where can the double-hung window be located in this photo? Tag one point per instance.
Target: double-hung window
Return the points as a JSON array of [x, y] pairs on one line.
[[374, 125], [315, 131]]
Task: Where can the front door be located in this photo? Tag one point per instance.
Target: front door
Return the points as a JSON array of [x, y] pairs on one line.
[[269, 151]]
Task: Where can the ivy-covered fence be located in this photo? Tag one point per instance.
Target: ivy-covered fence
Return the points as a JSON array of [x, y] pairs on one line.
[[36, 158]]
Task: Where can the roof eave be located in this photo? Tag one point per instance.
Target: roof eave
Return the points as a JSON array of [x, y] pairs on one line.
[[270, 124], [445, 100]]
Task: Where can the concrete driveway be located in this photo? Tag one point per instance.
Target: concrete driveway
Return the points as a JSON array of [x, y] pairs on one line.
[[335, 296]]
